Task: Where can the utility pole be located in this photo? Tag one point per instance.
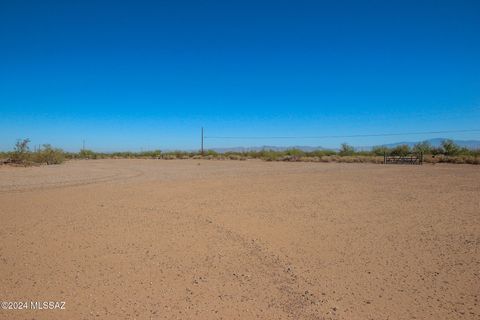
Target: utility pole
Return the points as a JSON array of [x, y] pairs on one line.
[[83, 147], [202, 142]]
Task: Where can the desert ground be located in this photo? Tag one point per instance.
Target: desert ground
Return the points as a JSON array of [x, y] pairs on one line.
[[199, 239]]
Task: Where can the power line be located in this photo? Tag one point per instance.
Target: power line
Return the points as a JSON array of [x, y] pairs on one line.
[[346, 136]]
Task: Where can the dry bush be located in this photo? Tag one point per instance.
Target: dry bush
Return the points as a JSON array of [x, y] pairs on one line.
[[234, 157], [465, 160], [306, 159], [378, 159], [431, 159], [21, 153], [48, 155], [473, 160], [462, 159]]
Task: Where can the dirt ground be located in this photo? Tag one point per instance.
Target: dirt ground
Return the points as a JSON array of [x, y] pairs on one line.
[[189, 239]]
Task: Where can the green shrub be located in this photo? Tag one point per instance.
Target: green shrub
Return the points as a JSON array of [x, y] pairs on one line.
[[401, 150], [21, 152], [380, 150], [294, 152], [423, 147], [450, 148], [346, 150], [49, 155], [87, 154]]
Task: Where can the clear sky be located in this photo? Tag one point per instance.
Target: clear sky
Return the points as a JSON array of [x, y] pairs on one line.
[[149, 74]]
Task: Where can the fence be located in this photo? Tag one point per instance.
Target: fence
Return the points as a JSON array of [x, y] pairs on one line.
[[410, 159]]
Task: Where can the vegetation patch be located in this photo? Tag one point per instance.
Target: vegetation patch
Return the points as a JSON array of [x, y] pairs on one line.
[[447, 152], [23, 156]]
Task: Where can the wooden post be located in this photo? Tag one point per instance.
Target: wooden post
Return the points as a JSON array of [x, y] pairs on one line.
[[202, 143]]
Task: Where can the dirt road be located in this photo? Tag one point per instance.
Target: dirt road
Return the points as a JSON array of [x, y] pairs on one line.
[[187, 239]]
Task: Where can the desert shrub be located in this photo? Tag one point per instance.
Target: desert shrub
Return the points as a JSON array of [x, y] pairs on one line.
[[378, 159], [430, 159], [472, 160], [234, 157], [180, 154], [211, 153], [441, 158], [346, 150], [320, 153], [364, 153], [436, 151], [49, 155], [21, 152], [462, 159], [294, 152], [475, 152], [288, 158], [210, 157], [464, 151], [450, 148], [449, 152], [270, 155], [155, 154], [380, 150], [348, 159], [87, 154], [422, 147], [44, 155], [401, 150]]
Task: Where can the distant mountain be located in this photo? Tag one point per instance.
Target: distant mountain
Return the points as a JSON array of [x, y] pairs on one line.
[[274, 148], [435, 142]]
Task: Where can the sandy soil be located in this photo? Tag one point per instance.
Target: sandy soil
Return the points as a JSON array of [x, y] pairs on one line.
[[152, 239]]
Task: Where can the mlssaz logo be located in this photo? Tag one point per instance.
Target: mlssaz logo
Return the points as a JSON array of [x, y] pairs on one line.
[[47, 305]]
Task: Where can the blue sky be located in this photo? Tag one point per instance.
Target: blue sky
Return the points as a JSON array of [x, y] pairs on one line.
[[149, 74]]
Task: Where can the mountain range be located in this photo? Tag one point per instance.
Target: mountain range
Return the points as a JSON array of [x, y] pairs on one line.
[[435, 142]]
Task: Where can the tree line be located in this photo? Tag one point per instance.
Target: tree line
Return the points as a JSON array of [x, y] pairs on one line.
[[448, 151]]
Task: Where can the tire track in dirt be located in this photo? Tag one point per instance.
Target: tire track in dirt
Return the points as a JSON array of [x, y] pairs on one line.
[[295, 291], [75, 183], [293, 295]]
